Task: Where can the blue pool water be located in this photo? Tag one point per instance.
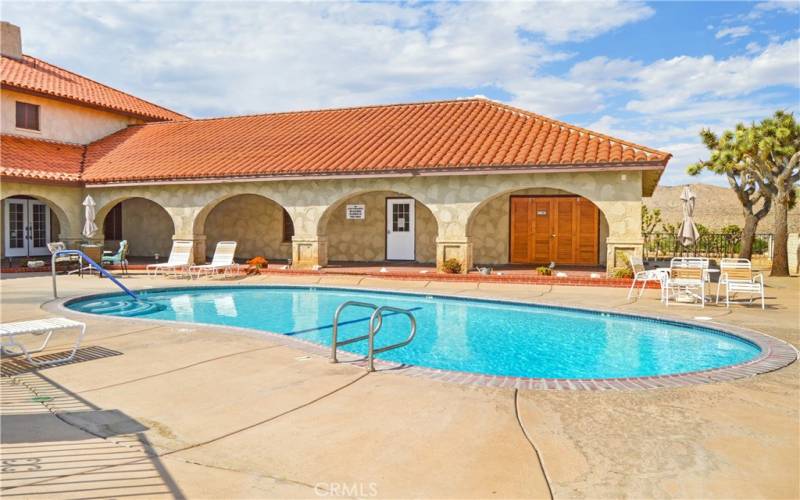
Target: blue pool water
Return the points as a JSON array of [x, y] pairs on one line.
[[453, 334]]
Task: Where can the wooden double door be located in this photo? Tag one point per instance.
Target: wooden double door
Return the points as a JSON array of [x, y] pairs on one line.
[[560, 229]]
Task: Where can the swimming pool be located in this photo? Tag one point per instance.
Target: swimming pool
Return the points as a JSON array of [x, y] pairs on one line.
[[459, 334]]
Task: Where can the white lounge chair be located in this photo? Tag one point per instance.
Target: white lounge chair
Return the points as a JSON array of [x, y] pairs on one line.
[[179, 259], [640, 274], [222, 261], [9, 332], [736, 275]]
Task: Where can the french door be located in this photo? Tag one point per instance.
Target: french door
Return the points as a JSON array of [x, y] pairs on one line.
[[400, 229], [27, 227], [560, 229]]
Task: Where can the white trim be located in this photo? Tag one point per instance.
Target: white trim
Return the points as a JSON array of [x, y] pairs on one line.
[[380, 175]]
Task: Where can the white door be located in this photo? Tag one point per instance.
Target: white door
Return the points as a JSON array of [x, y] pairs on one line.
[[27, 228], [400, 229]]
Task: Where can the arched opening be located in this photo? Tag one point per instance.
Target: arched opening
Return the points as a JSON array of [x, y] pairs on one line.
[[260, 226], [27, 225], [537, 226], [146, 225], [377, 226]]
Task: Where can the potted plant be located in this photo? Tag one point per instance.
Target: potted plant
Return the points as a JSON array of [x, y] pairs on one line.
[[256, 265]]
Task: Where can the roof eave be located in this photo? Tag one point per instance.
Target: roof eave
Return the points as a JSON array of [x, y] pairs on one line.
[[477, 170], [79, 102]]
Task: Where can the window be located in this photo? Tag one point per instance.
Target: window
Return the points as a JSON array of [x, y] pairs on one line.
[[27, 116], [112, 226], [288, 227]]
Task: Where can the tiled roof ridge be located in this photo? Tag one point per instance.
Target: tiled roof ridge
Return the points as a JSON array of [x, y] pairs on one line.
[[484, 100], [26, 57]]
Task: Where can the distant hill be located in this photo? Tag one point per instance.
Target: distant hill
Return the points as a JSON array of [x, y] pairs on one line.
[[715, 207]]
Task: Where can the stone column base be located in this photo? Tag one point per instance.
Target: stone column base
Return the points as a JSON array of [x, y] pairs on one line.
[[199, 250], [619, 249], [309, 252], [459, 249]]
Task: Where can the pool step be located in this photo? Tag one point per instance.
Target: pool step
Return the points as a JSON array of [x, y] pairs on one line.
[[122, 308]]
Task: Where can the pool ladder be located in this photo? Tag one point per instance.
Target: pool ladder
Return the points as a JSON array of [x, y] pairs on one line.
[[375, 324]]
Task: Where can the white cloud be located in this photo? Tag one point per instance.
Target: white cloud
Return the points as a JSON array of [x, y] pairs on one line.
[[791, 6], [734, 32], [283, 56]]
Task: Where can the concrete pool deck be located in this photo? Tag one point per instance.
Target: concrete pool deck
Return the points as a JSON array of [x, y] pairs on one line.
[[200, 412]]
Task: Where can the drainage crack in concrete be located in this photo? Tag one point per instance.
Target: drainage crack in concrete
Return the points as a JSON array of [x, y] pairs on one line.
[[533, 445], [268, 420], [179, 368]]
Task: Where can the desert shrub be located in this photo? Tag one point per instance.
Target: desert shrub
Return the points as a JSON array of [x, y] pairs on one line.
[[544, 271], [451, 266], [760, 246], [622, 272]]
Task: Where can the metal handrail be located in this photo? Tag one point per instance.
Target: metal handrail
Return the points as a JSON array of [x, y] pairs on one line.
[[375, 324], [372, 331], [335, 343], [91, 263]]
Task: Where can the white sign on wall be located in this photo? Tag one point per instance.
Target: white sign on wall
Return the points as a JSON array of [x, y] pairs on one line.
[[356, 212]]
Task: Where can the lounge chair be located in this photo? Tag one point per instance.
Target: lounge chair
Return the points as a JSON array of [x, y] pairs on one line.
[[736, 275], [222, 261], [120, 258], [640, 274], [179, 259], [9, 332], [686, 281]]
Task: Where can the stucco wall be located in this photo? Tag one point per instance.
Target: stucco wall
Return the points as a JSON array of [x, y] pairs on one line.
[[255, 222], [452, 201], [490, 228], [61, 121], [147, 227], [365, 240]]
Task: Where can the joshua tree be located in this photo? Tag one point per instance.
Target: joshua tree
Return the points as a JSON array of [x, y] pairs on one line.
[[729, 157], [774, 145]]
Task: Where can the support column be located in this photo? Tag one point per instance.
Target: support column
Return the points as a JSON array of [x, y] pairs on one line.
[[618, 249], [454, 248], [199, 247], [309, 252]]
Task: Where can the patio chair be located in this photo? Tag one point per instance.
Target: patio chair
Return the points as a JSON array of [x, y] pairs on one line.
[[11, 346], [736, 275], [178, 260], [69, 260], [686, 281], [120, 258], [644, 275], [222, 261]]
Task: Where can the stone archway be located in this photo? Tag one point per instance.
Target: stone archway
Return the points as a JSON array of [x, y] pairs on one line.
[[143, 223], [365, 240], [489, 226]]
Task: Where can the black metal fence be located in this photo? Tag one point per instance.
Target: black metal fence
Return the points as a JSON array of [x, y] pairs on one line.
[[666, 245]]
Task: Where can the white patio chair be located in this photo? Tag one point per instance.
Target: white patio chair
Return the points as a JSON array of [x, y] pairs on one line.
[[179, 259], [640, 274], [9, 342], [222, 261], [736, 275], [57, 246], [686, 281]]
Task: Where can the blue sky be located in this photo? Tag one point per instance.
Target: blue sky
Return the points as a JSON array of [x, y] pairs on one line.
[[653, 73]]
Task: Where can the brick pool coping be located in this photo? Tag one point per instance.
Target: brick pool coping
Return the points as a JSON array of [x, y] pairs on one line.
[[775, 353]]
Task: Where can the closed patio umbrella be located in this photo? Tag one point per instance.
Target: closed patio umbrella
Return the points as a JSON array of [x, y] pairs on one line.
[[89, 227], [688, 234]]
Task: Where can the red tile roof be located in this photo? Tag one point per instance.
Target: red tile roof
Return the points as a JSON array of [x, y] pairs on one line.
[[25, 158], [476, 134], [34, 75]]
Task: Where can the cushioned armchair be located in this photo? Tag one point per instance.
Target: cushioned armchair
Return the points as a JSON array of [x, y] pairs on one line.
[[120, 258]]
